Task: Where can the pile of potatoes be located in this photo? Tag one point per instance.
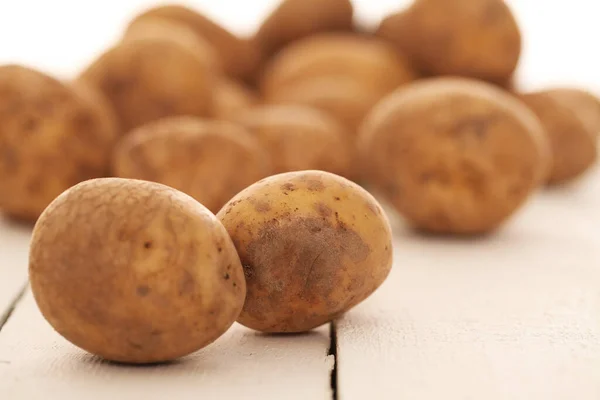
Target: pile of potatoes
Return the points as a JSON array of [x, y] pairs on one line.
[[189, 177]]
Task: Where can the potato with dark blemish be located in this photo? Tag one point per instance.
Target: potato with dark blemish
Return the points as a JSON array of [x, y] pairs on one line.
[[52, 136], [366, 61], [299, 138], [312, 245], [134, 271], [151, 78], [571, 123], [296, 19], [454, 155], [472, 38], [232, 98], [240, 57], [209, 160]]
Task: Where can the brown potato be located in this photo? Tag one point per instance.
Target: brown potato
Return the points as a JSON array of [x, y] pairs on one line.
[[162, 28], [585, 104], [312, 244], [209, 160], [296, 19], [52, 136], [232, 98], [299, 138], [239, 57], [148, 79], [454, 155], [473, 38], [134, 271], [366, 61], [570, 131]]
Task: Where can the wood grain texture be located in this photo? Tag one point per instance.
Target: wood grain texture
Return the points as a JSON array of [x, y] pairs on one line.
[[512, 316], [14, 249], [35, 361]]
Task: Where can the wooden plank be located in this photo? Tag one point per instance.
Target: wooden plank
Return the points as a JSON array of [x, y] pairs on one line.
[[35, 361], [511, 316], [14, 248]]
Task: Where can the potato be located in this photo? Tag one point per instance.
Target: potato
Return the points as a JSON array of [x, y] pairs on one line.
[[571, 131], [161, 28], [134, 271], [312, 245], [366, 61], [52, 136], [344, 99], [148, 79], [295, 19], [209, 160], [454, 155], [473, 38], [232, 98], [299, 138], [585, 104], [239, 57]]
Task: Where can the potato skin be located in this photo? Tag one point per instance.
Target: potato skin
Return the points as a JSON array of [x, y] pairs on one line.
[[296, 19], [52, 136], [239, 57], [209, 160], [584, 103], [232, 98], [299, 138], [148, 79], [472, 38], [571, 132], [454, 156], [105, 274], [363, 60], [312, 245]]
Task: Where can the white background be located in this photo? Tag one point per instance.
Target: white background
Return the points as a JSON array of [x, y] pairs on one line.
[[62, 36]]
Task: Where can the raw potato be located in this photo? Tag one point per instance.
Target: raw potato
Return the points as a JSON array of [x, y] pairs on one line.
[[134, 271], [570, 131], [148, 79], [232, 98], [299, 138], [312, 244], [209, 160], [239, 57], [473, 38], [365, 61], [295, 19], [585, 104], [52, 136], [161, 28], [454, 155]]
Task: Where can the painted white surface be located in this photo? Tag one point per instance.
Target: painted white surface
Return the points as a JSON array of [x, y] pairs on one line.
[[512, 316], [37, 364], [14, 248]]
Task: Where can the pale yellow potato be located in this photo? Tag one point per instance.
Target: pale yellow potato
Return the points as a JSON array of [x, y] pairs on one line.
[[472, 38], [571, 129], [299, 138], [240, 57], [296, 19], [52, 136], [364, 60], [209, 160], [152, 78], [312, 244], [454, 156], [134, 271], [232, 98]]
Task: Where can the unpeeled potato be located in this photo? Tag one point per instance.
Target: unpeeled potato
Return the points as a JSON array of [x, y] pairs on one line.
[[312, 244], [296, 19], [209, 160], [571, 128], [239, 57], [52, 136], [134, 271], [299, 138], [232, 98]]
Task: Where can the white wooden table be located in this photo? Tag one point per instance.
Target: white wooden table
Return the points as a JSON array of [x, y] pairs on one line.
[[512, 316]]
